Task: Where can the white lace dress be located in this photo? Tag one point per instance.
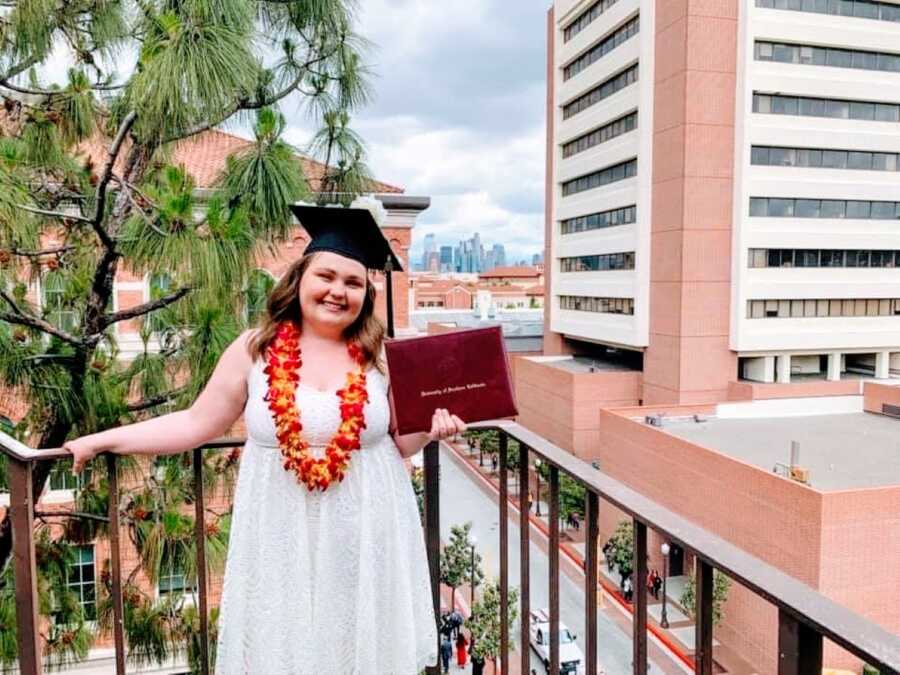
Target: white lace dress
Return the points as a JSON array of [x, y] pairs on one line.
[[332, 583]]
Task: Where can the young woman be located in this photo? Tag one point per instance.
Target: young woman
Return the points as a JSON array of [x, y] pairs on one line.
[[327, 570]]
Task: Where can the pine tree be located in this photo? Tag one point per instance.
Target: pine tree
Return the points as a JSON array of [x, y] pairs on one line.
[[143, 76]]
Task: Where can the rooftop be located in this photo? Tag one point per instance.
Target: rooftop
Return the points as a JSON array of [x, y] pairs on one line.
[[498, 272], [585, 364], [841, 451]]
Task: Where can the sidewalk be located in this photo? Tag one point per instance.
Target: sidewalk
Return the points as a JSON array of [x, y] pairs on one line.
[[677, 641]]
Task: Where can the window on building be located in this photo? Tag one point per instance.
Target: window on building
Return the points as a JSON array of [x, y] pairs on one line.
[[600, 178], [586, 18], [771, 207], [81, 580], [836, 58], [602, 48], [606, 89], [58, 307], [831, 308], [172, 579], [603, 134], [160, 286], [62, 478], [581, 303], [259, 285]]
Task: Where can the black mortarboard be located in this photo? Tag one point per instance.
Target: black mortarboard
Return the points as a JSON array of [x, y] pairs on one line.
[[352, 233]]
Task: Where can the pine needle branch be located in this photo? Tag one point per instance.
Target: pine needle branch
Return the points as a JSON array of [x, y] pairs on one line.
[[71, 514], [145, 308], [37, 254], [55, 214], [147, 403], [41, 325]]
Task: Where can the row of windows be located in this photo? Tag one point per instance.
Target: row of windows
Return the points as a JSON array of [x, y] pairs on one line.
[[606, 132], [586, 18], [602, 48], [59, 311], [808, 106], [773, 207], [824, 257], [827, 56], [762, 155], [596, 221], [603, 90], [610, 174], [598, 263], [799, 309], [582, 303], [863, 9]]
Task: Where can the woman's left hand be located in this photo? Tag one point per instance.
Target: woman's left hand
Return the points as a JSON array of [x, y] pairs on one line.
[[444, 425]]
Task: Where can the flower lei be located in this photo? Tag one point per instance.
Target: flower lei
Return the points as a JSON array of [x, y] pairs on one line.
[[282, 371]]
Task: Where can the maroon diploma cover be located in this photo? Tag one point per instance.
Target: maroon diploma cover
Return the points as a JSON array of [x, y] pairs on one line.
[[465, 371]]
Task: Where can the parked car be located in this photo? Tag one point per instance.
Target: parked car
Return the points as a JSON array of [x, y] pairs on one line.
[[571, 659]]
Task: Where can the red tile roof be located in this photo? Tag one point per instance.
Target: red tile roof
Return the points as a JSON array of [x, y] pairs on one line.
[[500, 272], [203, 157]]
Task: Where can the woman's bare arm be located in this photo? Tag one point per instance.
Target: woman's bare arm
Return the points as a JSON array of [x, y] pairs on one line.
[[215, 410]]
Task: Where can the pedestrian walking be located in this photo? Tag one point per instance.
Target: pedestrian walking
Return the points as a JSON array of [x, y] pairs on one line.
[[446, 653], [649, 582], [477, 664], [495, 460], [627, 589], [461, 644], [657, 584], [530, 500], [456, 621]]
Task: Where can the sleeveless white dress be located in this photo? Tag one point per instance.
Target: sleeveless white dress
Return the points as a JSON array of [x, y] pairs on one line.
[[325, 583]]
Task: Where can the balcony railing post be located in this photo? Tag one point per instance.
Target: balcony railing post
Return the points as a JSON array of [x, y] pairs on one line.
[[799, 647], [21, 512], [504, 557], [433, 535], [200, 534], [703, 612], [115, 555], [639, 586], [591, 588], [554, 569], [524, 560]]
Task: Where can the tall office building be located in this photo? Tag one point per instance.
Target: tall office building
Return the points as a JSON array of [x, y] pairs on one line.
[[723, 189], [499, 253], [429, 246], [446, 258]]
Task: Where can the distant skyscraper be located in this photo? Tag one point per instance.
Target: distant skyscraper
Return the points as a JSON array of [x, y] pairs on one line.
[[537, 258], [499, 255], [446, 258], [430, 247], [489, 261]]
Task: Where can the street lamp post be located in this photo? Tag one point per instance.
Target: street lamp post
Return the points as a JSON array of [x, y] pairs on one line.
[[537, 464], [472, 541], [663, 617]]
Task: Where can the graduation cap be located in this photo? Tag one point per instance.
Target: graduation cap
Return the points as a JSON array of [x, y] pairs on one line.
[[350, 232]]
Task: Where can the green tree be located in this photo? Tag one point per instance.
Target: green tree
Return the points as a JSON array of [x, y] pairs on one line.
[[485, 624], [142, 77], [571, 497], [622, 541], [456, 561], [721, 585]]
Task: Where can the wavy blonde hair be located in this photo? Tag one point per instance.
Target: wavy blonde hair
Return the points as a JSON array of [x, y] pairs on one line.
[[283, 304]]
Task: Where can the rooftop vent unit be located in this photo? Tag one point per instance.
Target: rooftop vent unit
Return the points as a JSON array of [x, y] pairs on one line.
[[699, 418], [654, 420]]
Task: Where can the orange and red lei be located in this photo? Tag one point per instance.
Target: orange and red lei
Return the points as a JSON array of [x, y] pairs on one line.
[[283, 373]]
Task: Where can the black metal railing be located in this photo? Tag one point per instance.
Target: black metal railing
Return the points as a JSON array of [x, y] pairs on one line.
[[805, 617]]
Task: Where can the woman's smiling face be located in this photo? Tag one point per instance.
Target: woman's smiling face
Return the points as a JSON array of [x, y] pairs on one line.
[[332, 291]]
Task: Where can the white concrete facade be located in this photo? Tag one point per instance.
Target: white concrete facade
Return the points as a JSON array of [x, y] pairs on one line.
[[830, 336], [625, 330]]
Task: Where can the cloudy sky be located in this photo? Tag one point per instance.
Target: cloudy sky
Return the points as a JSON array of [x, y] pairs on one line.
[[458, 115]]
